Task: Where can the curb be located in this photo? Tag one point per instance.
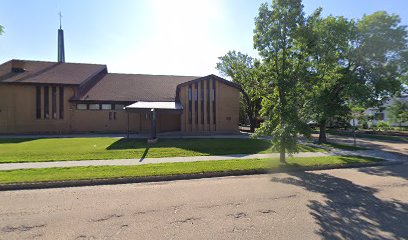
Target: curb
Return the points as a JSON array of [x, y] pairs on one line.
[[127, 180]]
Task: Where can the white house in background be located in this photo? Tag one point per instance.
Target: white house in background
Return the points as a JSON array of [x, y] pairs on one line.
[[381, 113]]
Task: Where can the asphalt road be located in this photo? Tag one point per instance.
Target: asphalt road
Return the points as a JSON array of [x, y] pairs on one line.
[[365, 203]]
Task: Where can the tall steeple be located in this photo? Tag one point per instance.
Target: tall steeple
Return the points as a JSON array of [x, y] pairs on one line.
[[61, 50]]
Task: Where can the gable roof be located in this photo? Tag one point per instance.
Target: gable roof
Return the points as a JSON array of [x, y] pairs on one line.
[[215, 77], [95, 84], [39, 72], [135, 87]]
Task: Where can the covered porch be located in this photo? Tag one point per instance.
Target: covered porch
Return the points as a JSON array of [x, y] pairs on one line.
[[156, 117]]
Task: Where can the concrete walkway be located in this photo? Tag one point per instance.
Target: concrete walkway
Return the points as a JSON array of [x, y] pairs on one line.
[[170, 135], [128, 162]]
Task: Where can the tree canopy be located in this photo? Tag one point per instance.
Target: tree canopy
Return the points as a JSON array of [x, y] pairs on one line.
[[244, 70], [276, 37], [380, 57], [398, 111], [326, 43], [315, 68]]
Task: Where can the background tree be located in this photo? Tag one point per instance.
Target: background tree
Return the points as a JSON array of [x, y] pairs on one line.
[[276, 35], [358, 114], [398, 111], [243, 69], [327, 44], [351, 64], [380, 58], [1, 29]]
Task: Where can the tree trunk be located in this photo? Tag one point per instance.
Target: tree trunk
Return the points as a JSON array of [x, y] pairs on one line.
[[252, 122], [322, 132], [282, 157], [249, 111]]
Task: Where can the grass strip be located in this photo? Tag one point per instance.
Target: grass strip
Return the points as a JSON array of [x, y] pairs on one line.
[[344, 146], [371, 136], [64, 149], [163, 169]]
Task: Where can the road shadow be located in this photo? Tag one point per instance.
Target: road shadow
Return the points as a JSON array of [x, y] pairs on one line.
[[351, 211], [393, 170]]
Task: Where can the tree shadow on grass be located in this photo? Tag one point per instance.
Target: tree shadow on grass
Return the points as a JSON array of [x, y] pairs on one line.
[[16, 140], [125, 143], [345, 161], [351, 211], [144, 154], [205, 146]]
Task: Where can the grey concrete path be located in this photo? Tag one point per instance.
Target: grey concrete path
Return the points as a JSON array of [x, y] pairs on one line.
[[124, 135], [128, 162]]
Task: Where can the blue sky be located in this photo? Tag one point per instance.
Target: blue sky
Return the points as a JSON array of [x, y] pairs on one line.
[[179, 37]]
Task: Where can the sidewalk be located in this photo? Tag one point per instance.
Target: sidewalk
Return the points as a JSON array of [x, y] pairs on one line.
[[131, 135], [128, 162]]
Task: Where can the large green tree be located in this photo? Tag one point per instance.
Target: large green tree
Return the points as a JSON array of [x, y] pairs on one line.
[[363, 63], [243, 69], [326, 41], [380, 57], [276, 34]]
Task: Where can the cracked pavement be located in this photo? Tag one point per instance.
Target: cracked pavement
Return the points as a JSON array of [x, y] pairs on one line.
[[364, 203]]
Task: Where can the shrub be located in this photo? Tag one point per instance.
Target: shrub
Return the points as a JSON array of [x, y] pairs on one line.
[[382, 126]]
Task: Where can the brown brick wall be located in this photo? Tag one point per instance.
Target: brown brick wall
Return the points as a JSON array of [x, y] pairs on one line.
[[226, 106], [18, 110], [168, 122], [18, 113], [98, 121]]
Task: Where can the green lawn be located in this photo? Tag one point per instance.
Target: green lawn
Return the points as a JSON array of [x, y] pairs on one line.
[[371, 136], [344, 146], [103, 172], [60, 149]]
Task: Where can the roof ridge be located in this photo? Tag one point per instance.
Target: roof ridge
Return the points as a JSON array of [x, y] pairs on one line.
[[40, 61], [148, 74]]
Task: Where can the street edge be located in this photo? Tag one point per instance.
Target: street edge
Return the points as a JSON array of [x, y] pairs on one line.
[[127, 180]]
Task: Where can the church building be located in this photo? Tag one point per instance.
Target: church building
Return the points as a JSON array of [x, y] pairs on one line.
[[58, 97]]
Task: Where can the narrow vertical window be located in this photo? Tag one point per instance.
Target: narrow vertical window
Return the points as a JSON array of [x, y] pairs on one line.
[[213, 100], [110, 115], [202, 102], [114, 115], [38, 102], [208, 102], [190, 105], [46, 102], [196, 101], [61, 102], [54, 102]]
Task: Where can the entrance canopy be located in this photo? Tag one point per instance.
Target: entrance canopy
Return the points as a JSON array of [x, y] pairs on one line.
[[155, 105]]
